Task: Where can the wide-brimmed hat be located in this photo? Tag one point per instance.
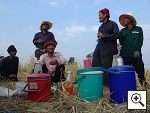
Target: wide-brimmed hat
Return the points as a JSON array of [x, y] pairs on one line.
[[127, 16], [47, 23]]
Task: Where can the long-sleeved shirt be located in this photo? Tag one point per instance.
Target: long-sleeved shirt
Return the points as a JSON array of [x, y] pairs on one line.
[[108, 44], [45, 59], [131, 40], [10, 66], [40, 38]]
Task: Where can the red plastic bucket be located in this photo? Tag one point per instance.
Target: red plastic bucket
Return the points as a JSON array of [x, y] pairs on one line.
[[39, 87]]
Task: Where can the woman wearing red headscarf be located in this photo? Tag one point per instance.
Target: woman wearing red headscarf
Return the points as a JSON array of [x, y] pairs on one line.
[[107, 42], [54, 61]]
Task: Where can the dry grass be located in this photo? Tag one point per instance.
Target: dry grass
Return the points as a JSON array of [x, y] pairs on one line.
[[61, 103]]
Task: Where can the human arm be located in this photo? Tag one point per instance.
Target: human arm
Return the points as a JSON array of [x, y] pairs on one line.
[[60, 58], [140, 39], [37, 41], [139, 44], [112, 36], [16, 65]]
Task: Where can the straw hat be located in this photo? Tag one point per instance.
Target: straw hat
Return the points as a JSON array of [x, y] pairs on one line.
[[127, 16]]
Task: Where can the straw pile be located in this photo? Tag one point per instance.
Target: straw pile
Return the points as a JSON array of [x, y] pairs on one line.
[[61, 103]]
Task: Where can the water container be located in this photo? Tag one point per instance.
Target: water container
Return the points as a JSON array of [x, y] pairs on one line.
[[121, 80], [90, 84], [87, 63], [39, 87]]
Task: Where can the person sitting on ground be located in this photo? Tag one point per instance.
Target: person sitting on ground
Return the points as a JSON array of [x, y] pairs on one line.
[[54, 62], [41, 37], [10, 64]]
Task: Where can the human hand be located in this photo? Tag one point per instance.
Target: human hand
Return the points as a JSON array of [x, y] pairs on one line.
[[53, 62], [136, 54], [43, 50], [101, 35], [12, 75]]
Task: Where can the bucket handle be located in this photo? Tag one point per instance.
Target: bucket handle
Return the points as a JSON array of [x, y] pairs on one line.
[[115, 71], [83, 77], [27, 90], [79, 79], [108, 70]]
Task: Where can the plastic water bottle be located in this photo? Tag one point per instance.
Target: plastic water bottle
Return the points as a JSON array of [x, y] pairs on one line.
[[68, 76], [37, 68], [119, 61]]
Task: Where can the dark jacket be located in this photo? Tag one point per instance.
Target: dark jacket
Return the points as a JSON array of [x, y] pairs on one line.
[[9, 65], [1, 59], [108, 45], [131, 41], [40, 38]]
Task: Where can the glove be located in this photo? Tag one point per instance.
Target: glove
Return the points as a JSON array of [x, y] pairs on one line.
[[136, 54]]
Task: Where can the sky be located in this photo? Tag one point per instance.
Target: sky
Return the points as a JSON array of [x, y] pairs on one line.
[[75, 24]]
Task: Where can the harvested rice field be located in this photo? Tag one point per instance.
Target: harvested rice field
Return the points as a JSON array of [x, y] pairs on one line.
[[61, 103]]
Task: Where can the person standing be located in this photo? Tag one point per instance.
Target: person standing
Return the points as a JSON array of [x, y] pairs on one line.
[[107, 42], [42, 37], [10, 64], [131, 41]]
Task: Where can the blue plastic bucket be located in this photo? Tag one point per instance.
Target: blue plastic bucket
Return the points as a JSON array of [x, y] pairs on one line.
[[121, 80], [90, 84]]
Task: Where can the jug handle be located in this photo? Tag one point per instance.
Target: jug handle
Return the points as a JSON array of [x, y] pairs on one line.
[[25, 90]]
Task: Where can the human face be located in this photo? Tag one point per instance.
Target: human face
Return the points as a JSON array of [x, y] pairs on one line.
[[126, 21], [102, 17], [44, 27], [13, 53], [50, 49]]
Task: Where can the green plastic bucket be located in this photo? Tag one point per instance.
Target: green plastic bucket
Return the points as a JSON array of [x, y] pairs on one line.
[[90, 84]]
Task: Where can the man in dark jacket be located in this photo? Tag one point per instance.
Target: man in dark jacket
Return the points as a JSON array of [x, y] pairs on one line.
[[41, 37], [9, 65], [1, 59], [107, 42], [131, 40]]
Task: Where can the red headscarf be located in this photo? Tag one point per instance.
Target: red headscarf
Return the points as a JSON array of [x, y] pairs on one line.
[[54, 43], [105, 11]]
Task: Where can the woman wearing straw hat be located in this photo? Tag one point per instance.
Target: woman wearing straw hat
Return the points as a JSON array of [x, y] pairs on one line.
[[131, 40], [41, 37]]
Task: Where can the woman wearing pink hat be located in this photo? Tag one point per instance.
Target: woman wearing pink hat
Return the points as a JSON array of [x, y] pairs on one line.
[[54, 61], [107, 42]]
